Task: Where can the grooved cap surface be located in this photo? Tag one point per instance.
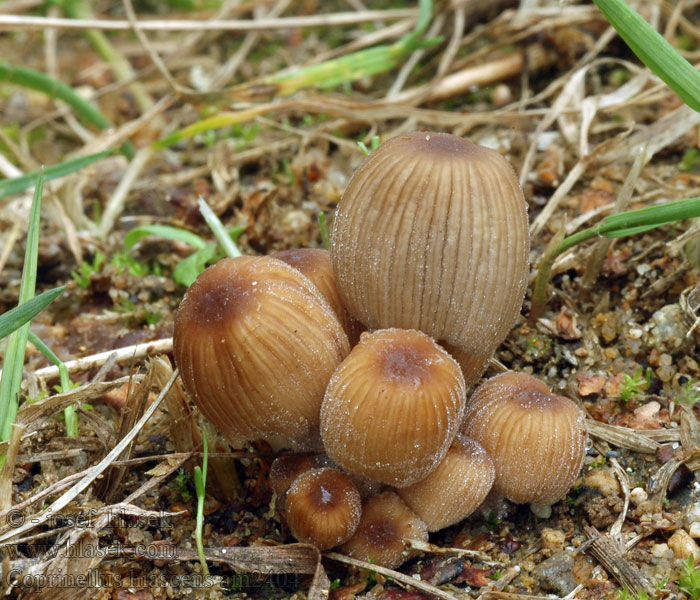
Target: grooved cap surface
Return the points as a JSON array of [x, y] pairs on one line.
[[386, 521], [393, 407], [323, 508], [455, 489], [537, 440], [431, 234], [256, 344]]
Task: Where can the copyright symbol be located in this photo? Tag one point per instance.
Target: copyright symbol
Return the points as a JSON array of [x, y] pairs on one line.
[[15, 518]]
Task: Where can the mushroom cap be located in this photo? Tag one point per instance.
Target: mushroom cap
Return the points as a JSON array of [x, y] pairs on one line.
[[536, 439], [455, 489], [472, 366], [431, 234], [323, 508], [393, 407], [315, 263], [256, 344], [286, 468], [386, 521]]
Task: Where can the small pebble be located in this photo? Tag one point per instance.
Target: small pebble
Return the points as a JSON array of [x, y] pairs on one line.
[[638, 496], [661, 551], [541, 511], [635, 333], [683, 545], [554, 539], [694, 530]]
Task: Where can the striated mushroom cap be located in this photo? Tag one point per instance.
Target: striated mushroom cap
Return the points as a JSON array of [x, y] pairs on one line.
[[455, 489], [323, 508], [286, 468], [393, 407], [315, 263], [431, 234], [386, 521], [536, 439], [256, 345]]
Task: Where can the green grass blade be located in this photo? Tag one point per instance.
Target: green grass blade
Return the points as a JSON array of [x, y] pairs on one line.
[[222, 236], [350, 67], [200, 484], [19, 184], [66, 384], [619, 233], [323, 226], [14, 318], [165, 231], [36, 80], [13, 362], [653, 50], [651, 216], [324, 75]]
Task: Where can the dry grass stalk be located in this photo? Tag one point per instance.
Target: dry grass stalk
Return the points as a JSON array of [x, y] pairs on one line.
[[658, 483], [135, 352], [27, 23], [395, 575], [616, 527], [622, 437], [8, 467], [90, 474], [110, 483], [611, 555], [433, 549]]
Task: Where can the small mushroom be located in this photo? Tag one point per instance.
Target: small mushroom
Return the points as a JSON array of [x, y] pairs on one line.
[[536, 439], [455, 489], [323, 508], [431, 234], [393, 407], [286, 468], [315, 263], [385, 523], [256, 345]]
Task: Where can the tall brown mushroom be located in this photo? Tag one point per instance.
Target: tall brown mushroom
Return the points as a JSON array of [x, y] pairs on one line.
[[431, 234]]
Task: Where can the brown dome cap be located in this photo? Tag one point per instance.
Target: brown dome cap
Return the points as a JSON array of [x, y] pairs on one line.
[[431, 234], [385, 523], [393, 407], [536, 439], [455, 489], [323, 508], [256, 344], [315, 263], [286, 468]]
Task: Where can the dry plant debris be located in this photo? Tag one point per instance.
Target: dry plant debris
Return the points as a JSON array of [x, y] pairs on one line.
[[590, 131]]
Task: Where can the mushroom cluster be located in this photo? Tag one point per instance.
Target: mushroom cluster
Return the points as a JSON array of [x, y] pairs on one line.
[[429, 253]]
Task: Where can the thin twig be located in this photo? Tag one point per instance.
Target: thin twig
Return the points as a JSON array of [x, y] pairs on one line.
[[121, 355], [27, 23], [423, 586], [116, 202]]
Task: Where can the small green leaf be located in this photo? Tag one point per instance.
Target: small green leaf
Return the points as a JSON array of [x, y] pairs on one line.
[[189, 268]]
